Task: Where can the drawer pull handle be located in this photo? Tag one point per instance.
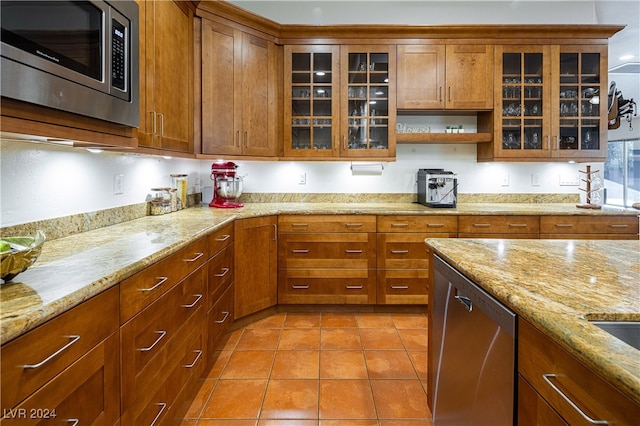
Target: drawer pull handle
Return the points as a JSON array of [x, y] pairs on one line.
[[162, 406], [199, 354], [300, 250], [435, 225], [74, 422], [481, 225], [618, 225], [224, 272], [226, 315], [195, 302], [399, 251], [353, 225], [353, 251], [564, 225], [223, 238], [162, 333], [547, 377], [158, 284], [300, 225], [400, 287], [517, 225], [399, 225], [353, 287], [72, 340], [198, 256], [300, 287]]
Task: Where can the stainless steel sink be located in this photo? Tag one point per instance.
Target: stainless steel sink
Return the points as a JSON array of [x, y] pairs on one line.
[[627, 331]]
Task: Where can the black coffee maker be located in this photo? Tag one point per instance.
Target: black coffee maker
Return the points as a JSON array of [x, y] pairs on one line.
[[437, 188]]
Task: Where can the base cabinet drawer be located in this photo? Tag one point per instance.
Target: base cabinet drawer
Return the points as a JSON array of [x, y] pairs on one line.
[[31, 360], [600, 226], [327, 286], [220, 318], [573, 390], [86, 393], [403, 286], [504, 224]]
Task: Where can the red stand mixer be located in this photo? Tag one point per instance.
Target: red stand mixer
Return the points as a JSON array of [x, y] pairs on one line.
[[226, 185]]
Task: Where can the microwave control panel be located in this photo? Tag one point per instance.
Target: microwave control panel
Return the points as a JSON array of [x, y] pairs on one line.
[[118, 55]]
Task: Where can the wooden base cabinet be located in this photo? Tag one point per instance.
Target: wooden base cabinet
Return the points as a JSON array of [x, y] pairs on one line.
[[327, 259], [403, 257], [589, 227], [66, 370], [557, 377], [255, 286]]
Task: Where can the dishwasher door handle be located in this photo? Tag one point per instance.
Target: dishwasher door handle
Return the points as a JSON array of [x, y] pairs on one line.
[[465, 301]]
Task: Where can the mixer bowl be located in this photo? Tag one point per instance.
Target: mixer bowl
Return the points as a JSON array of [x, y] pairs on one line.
[[230, 187]]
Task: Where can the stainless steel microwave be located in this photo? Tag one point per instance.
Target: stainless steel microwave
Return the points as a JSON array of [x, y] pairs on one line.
[[75, 56]]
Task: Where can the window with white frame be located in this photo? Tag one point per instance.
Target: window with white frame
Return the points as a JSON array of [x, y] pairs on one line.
[[622, 173]]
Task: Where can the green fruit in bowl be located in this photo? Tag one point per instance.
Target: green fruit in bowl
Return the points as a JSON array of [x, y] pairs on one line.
[[21, 254], [4, 246]]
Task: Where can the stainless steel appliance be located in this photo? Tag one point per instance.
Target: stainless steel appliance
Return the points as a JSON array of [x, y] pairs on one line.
[[75, 56], [437, 188], [226, 185], [472, 353]]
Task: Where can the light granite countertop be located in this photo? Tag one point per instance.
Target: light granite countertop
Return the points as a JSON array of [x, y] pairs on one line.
[[558, 286], [72, 269]]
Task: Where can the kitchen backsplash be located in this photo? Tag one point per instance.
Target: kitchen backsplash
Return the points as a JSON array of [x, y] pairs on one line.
[[74, 224]]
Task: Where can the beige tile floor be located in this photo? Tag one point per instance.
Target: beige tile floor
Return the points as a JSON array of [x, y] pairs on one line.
[[318, 369]]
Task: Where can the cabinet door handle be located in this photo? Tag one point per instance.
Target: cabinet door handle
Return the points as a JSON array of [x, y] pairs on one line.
[[618, 225], [400, 287], [440, 93], [564, 225], [154, 120], [399, 251], [573, 405], [399, 225], [72, 340], [246, 139], [435, 225], [161, 333], [517, 225], [353, 225], [546, 146], [300, 251], [161, 115], [199, 354], [158, 284], [449, 93], [162, 406], [556, 143], [223, 238], [352, 251], [353, 287], [344, 142], [193, 259], [238, 137], [195, 302], [224, 272], [226, 315], [481, 225], [275, 232], [300, 287]]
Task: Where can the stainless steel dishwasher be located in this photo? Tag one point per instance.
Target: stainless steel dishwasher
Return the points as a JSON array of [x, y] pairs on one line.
[[472, 353]]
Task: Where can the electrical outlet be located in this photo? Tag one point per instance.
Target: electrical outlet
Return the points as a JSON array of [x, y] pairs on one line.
[[118, 184], [505, 179], [302, 179], [535, 179]]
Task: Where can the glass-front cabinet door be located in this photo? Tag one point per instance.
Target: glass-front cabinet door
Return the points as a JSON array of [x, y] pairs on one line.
[[368, 108], [311, 101], [522, 106], [580, 125]]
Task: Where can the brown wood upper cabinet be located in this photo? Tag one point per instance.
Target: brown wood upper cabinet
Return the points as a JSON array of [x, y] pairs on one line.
[[166, 76], [445, 77], [239, 92]]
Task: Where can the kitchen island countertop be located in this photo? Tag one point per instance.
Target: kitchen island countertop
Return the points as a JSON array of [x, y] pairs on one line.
[[558, 286]]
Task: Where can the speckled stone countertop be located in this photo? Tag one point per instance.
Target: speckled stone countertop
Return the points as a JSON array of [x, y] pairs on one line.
[[558, 285], [74, 268]]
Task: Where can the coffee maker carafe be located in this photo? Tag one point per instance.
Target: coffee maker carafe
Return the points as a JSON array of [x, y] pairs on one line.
[[437, 188], [226, 185]]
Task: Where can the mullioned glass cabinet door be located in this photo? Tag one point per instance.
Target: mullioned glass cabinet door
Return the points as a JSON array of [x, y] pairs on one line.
[[368, 109], [311, 101], [581, 101], [522, 108]]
